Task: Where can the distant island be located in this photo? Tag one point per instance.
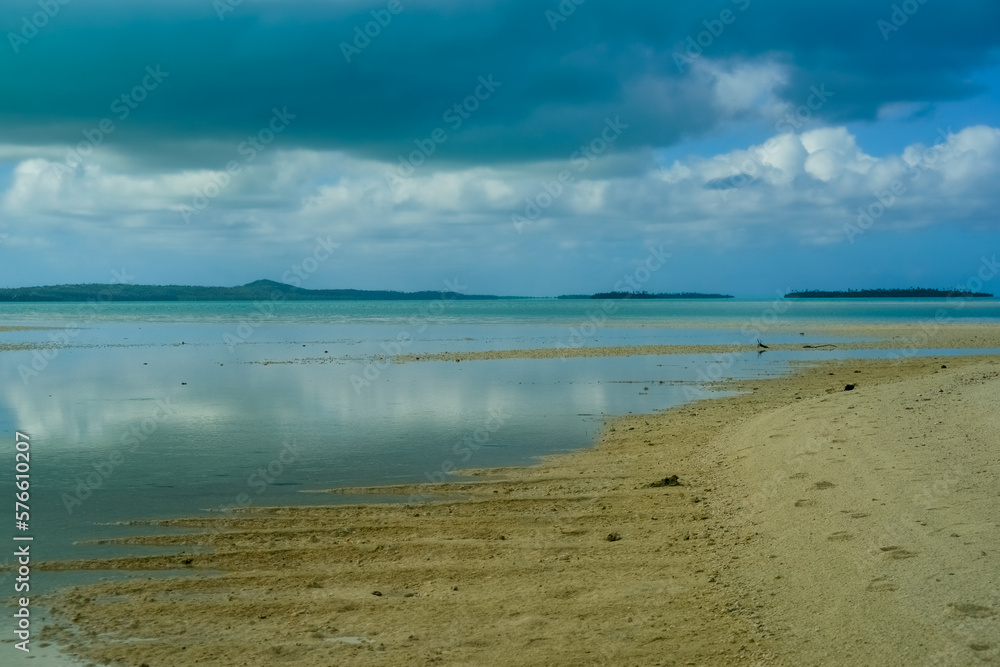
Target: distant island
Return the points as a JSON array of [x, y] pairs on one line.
[[259, 290], [910, 293], [646, 295]]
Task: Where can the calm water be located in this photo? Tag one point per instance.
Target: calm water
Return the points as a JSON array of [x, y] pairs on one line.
[[514, 312], [153, 410]]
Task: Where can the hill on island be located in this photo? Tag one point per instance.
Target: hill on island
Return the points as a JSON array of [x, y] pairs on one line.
[[909, 293], [259, 290]]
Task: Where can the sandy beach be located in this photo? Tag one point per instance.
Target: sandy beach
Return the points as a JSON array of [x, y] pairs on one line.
[[811, 525]]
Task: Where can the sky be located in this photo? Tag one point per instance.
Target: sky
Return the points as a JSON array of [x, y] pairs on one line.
[[514, 147]]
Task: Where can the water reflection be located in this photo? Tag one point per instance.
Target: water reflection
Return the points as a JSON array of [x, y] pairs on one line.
[[159, 428]]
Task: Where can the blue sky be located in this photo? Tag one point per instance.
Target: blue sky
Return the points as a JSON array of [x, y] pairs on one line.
[[521, 147]]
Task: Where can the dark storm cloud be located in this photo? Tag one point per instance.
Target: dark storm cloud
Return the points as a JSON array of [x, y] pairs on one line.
[[554, 81]]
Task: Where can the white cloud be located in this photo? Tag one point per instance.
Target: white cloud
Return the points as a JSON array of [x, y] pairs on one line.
[[804, 185], [40, 186], [745, 86], [832, 151]]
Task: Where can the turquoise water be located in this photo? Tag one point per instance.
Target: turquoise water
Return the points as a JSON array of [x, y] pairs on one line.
[[144, 411], [504, 312]]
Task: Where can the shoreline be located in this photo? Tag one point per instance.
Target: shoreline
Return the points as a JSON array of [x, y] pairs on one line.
[[578, 560]]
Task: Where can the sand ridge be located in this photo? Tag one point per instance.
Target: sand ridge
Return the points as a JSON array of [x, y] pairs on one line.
[[815, 338]]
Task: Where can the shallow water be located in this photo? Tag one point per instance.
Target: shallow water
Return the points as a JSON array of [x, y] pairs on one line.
[[162, 410], [114, 439]]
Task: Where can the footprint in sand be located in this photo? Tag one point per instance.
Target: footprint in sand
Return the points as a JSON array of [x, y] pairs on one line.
[[881, 585], [806, 502], [840, 536], [819, 486], [972, 610], [898, 553]]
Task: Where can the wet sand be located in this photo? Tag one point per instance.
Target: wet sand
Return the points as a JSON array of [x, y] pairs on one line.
[[12, 347], [811, 525]]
